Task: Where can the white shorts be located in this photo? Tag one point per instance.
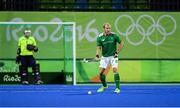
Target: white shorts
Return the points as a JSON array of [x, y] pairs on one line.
[[105, 61]]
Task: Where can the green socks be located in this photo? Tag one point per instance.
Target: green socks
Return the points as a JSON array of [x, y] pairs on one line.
[[103, 80], [117, 79]]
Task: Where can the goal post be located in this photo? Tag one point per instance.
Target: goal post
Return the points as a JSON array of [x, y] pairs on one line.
[[56, 41], [70, 55]]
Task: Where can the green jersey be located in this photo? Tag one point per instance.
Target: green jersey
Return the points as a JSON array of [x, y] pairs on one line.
[[22, 44], [108, 43]]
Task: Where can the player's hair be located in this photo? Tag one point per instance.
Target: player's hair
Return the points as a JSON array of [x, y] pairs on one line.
[[106, 24]]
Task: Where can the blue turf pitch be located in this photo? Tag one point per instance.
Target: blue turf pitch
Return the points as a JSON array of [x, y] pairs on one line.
[[77, 96]]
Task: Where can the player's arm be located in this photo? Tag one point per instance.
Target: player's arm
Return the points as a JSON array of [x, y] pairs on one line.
[[120, 47], [98, 50], [35, 46], [18, 52]]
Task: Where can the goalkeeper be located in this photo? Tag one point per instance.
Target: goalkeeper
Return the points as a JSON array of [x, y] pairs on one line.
[[26, 48], [110, 44]]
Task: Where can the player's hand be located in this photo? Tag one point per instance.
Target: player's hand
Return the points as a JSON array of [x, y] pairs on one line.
[[115, 55], [35, 49], [97, 58], [18, 59]]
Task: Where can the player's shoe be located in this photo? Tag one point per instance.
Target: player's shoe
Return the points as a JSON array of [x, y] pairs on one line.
[[117, 90], [25, 82], [39, 82], [101, 89]]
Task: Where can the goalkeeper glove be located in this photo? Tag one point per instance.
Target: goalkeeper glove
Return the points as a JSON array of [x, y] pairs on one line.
[[35, 49], [30, 47]]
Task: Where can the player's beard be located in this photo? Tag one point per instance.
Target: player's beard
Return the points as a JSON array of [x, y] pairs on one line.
[[107, 33]]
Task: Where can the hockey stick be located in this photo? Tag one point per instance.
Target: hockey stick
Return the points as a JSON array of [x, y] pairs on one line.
[[90, 60]]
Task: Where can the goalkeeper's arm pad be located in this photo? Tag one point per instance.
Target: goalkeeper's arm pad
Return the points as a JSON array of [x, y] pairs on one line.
[[18, 51]]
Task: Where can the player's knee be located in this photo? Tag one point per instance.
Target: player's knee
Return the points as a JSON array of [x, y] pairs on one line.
[[23, 69], [115, 70], [36, 67], [102, 71]]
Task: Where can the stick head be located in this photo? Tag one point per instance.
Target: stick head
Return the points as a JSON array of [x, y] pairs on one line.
[[85, 61]]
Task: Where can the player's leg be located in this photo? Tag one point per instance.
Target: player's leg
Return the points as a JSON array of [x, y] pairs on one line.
[[117, 80], [114, 63], [36, 73], [35, 70], [23, 68], [103, 77], [103, 80], [103, 66]]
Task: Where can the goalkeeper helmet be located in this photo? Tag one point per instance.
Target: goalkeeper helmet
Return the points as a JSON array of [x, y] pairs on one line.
[[27, 32]]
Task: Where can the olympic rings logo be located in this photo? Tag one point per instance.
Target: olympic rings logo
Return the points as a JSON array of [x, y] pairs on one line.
[[146, 33]]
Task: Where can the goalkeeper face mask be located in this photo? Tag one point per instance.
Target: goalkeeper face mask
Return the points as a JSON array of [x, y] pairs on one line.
[[27, 33]]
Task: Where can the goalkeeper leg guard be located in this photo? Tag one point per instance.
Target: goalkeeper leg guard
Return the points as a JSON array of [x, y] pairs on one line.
[[36, 74], [24, 74]]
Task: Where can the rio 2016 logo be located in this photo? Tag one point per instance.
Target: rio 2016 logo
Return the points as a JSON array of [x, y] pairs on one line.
[[45, 32], [145, 26], [150, 29]]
